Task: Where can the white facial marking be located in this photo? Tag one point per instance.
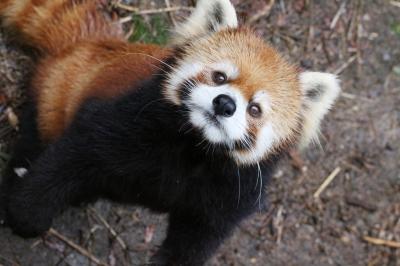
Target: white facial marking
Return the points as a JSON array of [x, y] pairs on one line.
[[263, 99], [230, 129], [231, 71], [265, 141], [180, 74]]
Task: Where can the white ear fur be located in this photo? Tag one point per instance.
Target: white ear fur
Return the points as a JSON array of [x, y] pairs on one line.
[[209, 16], [320, 91]]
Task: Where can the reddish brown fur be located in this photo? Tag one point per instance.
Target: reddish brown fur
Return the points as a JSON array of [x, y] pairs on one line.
[[260, 68], [85, 55], [53, 25], [92, 69]]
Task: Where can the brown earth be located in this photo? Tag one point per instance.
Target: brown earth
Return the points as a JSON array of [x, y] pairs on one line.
[[361, 137]]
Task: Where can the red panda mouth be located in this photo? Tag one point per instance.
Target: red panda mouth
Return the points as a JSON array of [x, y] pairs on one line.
[[212, 119], [238, 145], [248, 144]]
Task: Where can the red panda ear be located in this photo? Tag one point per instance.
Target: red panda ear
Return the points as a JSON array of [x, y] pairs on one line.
[[208, 17], [319, 91]]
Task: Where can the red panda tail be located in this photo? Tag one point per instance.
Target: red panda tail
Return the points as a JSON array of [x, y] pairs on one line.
[[52, 26]]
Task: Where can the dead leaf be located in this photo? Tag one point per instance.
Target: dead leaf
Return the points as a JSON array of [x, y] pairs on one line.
[[299, 5], [12, 117], [296, 160], [149, 233], [3, 98]]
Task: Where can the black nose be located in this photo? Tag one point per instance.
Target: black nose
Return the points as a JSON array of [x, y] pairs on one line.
[[224, 105]]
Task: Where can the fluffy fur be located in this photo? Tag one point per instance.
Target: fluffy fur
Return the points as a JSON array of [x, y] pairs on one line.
[[113, 150], [320, 91], [140, 124], [209, 16]]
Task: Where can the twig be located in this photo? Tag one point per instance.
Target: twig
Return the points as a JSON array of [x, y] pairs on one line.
[[395, 3], [354, 23], [354, 201], [345, 65], [327, 181], [170, 14], [340, 11], [126, 7], [78, 248], [310, 32], [36, 243], [108, 226], [278, 224], [262, 13], [382, 242], [349, 95], [165, 10], [155, 11], [325, 50], [8, 260]]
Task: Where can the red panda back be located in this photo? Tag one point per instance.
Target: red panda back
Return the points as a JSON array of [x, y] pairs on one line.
[[51, 26], [100, 69], [84, 55]]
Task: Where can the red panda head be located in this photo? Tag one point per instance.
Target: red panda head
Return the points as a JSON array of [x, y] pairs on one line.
[[239, 92]]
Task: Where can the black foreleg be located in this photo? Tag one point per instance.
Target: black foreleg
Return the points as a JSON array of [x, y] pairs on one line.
[[191, 239], [58, 179], [25, 151]]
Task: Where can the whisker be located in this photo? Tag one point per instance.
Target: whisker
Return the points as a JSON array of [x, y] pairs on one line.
[[144, 107], [183, 126], [153, 57], [201, 142], [177, 71]]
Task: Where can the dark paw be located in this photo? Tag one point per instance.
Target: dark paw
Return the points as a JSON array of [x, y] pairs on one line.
[[28, 227], [27, 222]]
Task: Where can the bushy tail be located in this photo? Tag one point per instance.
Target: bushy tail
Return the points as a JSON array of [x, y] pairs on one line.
[[53, 25]]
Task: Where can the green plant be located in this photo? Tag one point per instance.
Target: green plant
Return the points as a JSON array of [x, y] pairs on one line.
[[153, 31], [396, 28]]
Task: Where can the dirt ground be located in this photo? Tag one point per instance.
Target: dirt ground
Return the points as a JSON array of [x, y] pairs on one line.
[[360, 41]]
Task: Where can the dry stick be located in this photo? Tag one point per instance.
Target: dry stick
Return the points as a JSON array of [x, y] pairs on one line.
[[155, 11], [164, 10], [395, 3], [108, 226], [310, 32], [126, 7], [78, 248], [382, 242], [263, 13], [278, 224], [327, 181], [360, 7], [8, 260], [340, 11], [170, 14], [355, 22], [345, 65]]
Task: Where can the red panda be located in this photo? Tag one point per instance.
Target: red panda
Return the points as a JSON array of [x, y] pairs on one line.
[[193, 130]]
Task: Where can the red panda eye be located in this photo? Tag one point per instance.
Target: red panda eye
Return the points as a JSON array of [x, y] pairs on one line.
[[219, 78], [254, 110]]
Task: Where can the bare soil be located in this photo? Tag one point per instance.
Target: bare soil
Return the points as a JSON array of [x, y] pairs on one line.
[[361, 137]]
